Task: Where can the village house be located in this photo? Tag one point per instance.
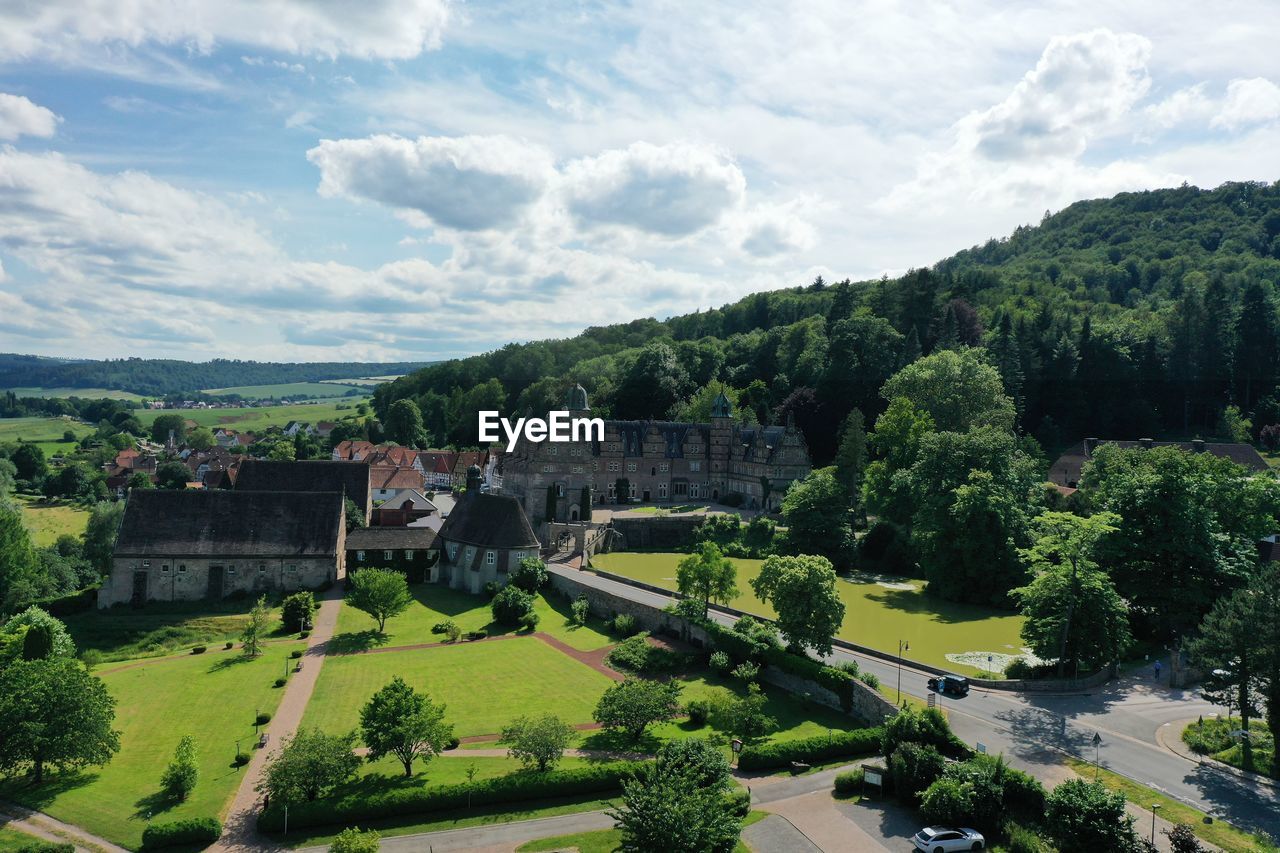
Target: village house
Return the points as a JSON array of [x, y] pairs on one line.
[[404, 549], [385, 480], [403, 508], [351, 480], [1067, 470], [483, 539], [192, 545]]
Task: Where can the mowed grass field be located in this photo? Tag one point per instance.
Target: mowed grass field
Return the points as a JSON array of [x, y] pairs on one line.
[[875, 615], [86, 393], [434, 603], [484, 684], [213, 697], [47, 521], [160, 628], [289, 390], [46, 432], [251, 419]]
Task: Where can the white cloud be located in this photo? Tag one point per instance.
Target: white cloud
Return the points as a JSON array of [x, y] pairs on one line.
[[71, 31], [767, 231], [468, 183], [670, 190], [1248, 102], [1185, 106], [20, 117]]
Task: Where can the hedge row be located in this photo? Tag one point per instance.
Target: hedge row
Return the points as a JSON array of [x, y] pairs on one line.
[[35, 846], [201, 831], [351, 809], [811, 750]]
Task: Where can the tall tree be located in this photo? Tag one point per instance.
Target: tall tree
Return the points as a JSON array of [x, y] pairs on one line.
[[957, 389], [308, 765], [851, 456], [679, 802], [802, 591], [1256, 349], [707, 575], [180, 777], [404, 424], [55, 713], [382, 593], [400, 721], [631, 706], [255, 628]]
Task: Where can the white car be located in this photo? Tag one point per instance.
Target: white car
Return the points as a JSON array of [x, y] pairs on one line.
[[944, 839]]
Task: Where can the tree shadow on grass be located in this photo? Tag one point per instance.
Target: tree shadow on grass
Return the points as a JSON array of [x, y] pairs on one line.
[[22, 790], [614, 743], [938, 609], [354, 642], [154, 804], [229, 660]]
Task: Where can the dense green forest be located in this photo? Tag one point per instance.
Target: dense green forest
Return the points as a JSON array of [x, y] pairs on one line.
[[1141, 315], [162, 376]]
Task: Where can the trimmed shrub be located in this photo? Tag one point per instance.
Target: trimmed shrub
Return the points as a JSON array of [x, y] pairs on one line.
[[262, 719], [476, 635], [698, 711], [281, 682], [624, 624], [297, 610], [452, 743], [228, 645], [295, 654], [196, 831], [739, 800], [198, 650], [634, 654], [510, 604], [441, 627], [241, 759], [360, 806], [812, 750], [719, 662], [302, 635], [35, 846], [848, 783]]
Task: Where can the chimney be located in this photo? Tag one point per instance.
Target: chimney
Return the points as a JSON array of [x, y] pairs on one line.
[[1197, 445], [1146, 443], [1090, 444], [473, 480]]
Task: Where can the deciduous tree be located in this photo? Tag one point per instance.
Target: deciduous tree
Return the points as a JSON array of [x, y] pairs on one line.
[[802, 590], [308, 765], [400, 721], [679, 802], [382, 593], [634, 704], [537, 742], [707, 575]]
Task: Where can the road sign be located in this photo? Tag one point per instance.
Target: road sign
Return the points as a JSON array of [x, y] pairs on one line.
[[933, 699], [982, 749]]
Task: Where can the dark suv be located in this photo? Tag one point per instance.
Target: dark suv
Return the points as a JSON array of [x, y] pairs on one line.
[[953, 684]]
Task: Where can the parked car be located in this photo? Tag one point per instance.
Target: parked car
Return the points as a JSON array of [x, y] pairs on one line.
[[953, 684], [944, 839]]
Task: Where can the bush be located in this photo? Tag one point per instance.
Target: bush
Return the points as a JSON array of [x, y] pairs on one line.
[[492, 588], [281, 682], [848, 783], [1021, 670], [739, 801], [198, 650], [358, 805], [302, 635], [947, 801], [719, 662], [452, 743], [1022, 840], [353, 840], [635, 654], [295, 654], [870, 679], [927, 726], [698, 711], [262, 719], [196, 831], [624, 624], [849, 667], [298, 610], [476, 635], [529, 621], [581, 610], [530, 575], [35, 846], [747, 671], [812, 750], [510, 604], [1023, 795], [228, 645], [913, 767]]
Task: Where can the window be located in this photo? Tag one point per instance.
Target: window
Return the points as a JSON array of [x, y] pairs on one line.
[[453, 551], [615, 466], [146, 564], [613, 491], [262, 568], [547, 469], [662, 491], [490, 558], [408, 554], [664, 467], [519, 555], [631, 467], [552, 450], [182, 569], [577, 469], [231, 570], [164, 569], [693, 490], [291, 569], [386, 555], [695, 466], [360, 556], [631, 492]]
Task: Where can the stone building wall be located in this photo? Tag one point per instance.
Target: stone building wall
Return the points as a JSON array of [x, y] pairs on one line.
[[141, 579]]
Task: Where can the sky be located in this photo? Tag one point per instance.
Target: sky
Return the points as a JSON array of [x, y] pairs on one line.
[[312, 180]]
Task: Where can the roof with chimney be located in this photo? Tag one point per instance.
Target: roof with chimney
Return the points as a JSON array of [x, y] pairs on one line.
[[493, 522], [221, 523], [1068, 468]]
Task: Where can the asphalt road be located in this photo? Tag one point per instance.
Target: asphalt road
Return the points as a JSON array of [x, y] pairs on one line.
[[1033, 731]]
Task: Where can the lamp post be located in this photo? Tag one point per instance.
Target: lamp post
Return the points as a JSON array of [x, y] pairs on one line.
[[1097, 754], [1154, 808], [903, 645]]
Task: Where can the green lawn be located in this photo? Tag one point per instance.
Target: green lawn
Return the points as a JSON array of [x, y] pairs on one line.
[[47, 521], [289, 390], [87, 393], [46, 432], [485, 684], [434, 603], [250, 419], [213, 697], [607, 840], [12, 839], [875, 615], [160, 628]]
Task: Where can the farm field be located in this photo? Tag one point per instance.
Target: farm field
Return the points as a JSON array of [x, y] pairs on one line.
[[250, 419], [87, 393], [46, 432], [290, 390], [47, 521], [364, 380], [434, 603], [213, 697], [878, 613], [484, 685]]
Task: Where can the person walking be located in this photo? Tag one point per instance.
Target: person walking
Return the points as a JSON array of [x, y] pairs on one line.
[[1157, 670]]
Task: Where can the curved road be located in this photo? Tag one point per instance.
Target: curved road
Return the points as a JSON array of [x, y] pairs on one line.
[[1033, 731]]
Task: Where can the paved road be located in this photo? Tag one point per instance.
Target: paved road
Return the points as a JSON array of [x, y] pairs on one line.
[[1034, 730]]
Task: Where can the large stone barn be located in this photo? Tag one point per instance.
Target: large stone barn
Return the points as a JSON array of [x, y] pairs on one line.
[[351, 479], [190, 545], [483, 539]]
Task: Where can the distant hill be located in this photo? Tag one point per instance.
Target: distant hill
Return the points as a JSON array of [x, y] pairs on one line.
[[1143, 314], [160, 377]]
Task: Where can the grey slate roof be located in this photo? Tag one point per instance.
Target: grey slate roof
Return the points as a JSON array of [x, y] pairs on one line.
[[221, 523], [495, 522], [1066, 471], [390, 538], [349, 478]]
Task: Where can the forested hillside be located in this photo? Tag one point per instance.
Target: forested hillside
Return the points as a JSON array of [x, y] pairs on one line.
[[1144, 314], [161, 376]]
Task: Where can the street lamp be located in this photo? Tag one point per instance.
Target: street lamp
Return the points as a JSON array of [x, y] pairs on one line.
[[1097, 754], [1154, 808], [902, 645]]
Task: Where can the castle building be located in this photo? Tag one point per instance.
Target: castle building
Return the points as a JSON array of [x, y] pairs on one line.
[[655, 461]]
